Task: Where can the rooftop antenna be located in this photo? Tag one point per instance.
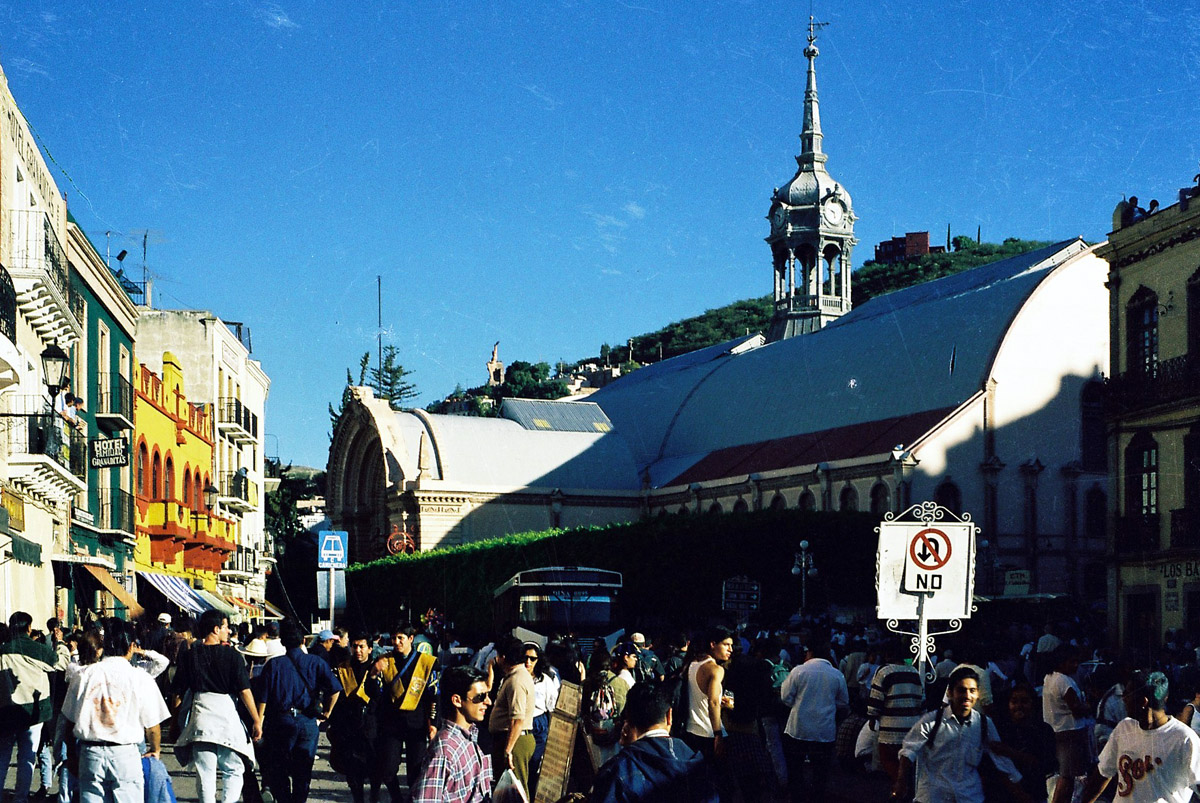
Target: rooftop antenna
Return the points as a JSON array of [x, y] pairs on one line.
[[145, 273], [108, 249], [379, 322]]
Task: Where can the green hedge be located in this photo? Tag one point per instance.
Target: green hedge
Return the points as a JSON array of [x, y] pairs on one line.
[[673, 567]]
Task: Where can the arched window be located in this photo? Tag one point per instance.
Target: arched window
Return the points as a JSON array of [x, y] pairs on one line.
[[198, 494], [156, 477], [683, 511], [1141, 476], [169, 479], [1092, 444], [1141, 333], [740, 506], [142, 456], [948, 496], [1095, 510], [778, 502], [808, 501], [716, 508], [848, 501], [881, 499], [187, 487]]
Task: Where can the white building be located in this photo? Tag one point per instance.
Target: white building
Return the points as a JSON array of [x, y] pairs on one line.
[[215, 357], [41, 471], [977, 390]]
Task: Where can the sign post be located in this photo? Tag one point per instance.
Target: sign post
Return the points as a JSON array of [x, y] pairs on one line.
[[925, 570], [741, 595], [331, 554]]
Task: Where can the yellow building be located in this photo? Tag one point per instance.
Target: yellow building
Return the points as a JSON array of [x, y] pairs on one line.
[[1154, 421], [178, 534]]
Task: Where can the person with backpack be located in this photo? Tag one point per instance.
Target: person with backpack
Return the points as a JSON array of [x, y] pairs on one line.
[[605, 694], [947, 749], [298, 690]]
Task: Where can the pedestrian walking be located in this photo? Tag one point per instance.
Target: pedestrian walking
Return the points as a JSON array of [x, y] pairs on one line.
[[816, 692], [511, 721], [1064, 710], [897, 701], [25, 699], [947, 747], [456, 770], [115, 708], [211, 679], [1154, 757], [405, 721], [298, 691], [352, 725]]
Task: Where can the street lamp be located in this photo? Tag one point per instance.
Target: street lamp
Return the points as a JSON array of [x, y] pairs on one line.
[[804, 569], [210, 501], [54, 368]]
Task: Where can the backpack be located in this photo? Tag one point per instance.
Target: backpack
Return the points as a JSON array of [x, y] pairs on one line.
[[779, 673], [602, 721]]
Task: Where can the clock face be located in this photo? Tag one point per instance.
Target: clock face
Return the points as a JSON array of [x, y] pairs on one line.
[[834, 212], [780, 217]]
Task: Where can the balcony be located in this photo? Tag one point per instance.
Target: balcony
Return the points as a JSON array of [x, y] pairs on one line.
[[44, 457], [1173, 380], [115, 410], [1137, 534], [241, 564], [1185, 528], [236, 422], [116, 512], [238, 492], [38, 267]]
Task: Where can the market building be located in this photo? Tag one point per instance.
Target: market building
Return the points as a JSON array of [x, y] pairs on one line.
[[1154, 422], [979, 391]]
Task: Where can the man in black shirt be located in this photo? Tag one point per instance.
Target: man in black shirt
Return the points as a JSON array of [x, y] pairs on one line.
[[210, 680]]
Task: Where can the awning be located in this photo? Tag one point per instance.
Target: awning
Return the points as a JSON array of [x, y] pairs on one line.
[[251, 608], [218, 603], [271, 612], [178, 591], [116, 589]]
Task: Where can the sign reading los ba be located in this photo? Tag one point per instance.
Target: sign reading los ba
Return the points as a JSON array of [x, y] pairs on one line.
[[108, 453], [928, 563]]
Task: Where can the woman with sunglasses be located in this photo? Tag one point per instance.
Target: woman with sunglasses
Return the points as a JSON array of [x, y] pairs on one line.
[[546, 684]]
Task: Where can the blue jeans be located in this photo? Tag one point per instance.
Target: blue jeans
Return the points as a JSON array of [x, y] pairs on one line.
[[110, 773], [289, 747], [48, 756], [27, 741], [211, 762]]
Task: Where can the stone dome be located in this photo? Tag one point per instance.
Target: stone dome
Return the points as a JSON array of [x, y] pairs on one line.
[[808, 187]]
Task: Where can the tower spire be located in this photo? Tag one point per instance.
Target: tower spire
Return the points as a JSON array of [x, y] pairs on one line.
[[810, 135]]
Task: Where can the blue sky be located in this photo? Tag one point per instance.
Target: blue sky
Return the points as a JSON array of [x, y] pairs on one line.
[[559, 175]]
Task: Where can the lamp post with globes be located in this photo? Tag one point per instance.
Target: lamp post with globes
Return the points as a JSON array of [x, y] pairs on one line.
[[804, 569]]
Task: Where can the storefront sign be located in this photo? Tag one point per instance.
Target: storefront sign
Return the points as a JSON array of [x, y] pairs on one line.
[[1190, 568], [82, 516], [14, 503], [108, 453]]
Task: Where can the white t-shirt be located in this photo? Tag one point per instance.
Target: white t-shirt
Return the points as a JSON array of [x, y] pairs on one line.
[[113, 701], [1055, 711], [1152, 766]]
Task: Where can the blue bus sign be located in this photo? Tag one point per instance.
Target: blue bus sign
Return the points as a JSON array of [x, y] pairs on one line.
[[331, 549]]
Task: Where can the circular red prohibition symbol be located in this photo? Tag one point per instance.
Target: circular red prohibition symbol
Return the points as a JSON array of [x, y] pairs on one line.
[[930, 549]]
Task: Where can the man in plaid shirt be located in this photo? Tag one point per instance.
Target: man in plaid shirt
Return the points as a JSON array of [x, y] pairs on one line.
[[455, 769]]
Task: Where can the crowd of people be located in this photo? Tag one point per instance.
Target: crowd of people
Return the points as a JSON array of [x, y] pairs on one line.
[[715, 716]]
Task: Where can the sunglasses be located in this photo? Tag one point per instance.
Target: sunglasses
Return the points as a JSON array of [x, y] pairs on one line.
[[477, 699], [531, 658]]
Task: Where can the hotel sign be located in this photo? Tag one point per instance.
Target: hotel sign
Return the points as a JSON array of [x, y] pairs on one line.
[[14, 503], [108, 453]]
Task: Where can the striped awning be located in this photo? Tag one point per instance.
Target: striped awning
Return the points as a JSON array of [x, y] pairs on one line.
[[272, 612], [252, 608], [178, 592], [216, 601]]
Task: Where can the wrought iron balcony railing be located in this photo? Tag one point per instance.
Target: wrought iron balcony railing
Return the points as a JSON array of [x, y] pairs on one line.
[[116, 510], [1172, 380], [116, 400], [1185, 527]]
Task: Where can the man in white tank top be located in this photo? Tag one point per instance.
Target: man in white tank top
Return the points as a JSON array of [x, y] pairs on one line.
[[705, 687]]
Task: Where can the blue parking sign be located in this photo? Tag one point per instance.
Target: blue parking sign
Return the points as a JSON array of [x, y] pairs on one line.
[[332, 548]]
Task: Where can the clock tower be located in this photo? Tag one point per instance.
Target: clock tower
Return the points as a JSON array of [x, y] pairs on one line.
[[812, 230]]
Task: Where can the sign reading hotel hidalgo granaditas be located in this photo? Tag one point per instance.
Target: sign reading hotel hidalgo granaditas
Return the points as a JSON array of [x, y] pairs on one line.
[[108, 453]]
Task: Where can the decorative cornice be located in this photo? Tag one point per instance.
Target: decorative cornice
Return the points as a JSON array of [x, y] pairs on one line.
[[1157, 248]]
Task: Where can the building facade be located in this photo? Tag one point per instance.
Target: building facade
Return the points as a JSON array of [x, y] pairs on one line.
[[1154, 423], [41, 459], [215, 356], [97, 573]]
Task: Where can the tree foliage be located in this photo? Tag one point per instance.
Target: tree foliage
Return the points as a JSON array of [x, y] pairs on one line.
[[877, 278], [524, 380], [386, 380]]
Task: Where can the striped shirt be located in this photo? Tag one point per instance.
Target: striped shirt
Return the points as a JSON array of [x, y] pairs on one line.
[[897, 701]]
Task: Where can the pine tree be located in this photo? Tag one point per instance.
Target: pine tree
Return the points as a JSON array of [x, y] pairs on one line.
[[388, 382]]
